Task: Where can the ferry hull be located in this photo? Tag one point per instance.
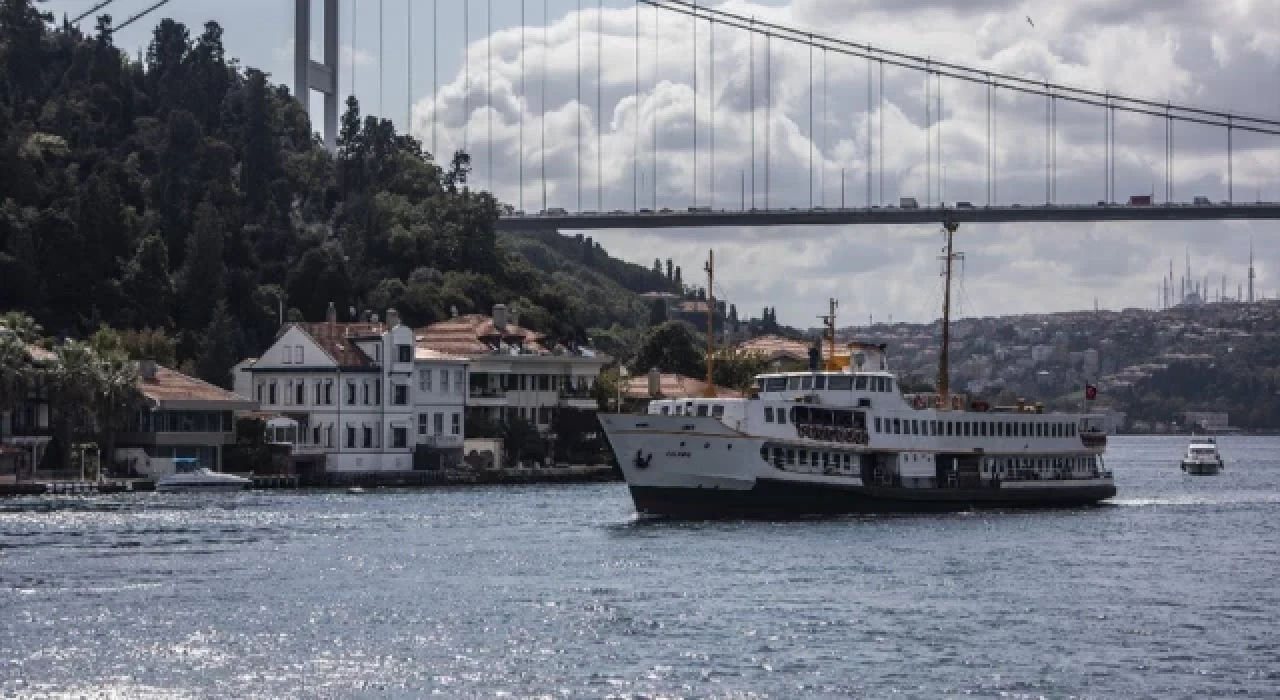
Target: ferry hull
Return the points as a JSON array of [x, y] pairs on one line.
[[769, 498], [696, 467], [1201, 468]]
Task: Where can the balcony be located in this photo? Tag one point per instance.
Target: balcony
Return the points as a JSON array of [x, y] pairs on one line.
[[486, 396]]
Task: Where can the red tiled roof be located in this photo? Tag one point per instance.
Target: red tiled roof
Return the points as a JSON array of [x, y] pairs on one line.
[[172, 385], [775, 347], [474, 334], [673, 386], [336, 339]]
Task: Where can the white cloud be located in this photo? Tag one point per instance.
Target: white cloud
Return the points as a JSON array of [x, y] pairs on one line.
[[1206, 53]]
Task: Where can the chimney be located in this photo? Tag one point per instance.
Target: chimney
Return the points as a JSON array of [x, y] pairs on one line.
[[453, 311], [393, 318], [500, 316], [655, 383], [513, 317], [331, 316], [147, 369]]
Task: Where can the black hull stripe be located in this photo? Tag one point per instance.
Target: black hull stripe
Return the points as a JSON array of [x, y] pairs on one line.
[[773, 498]]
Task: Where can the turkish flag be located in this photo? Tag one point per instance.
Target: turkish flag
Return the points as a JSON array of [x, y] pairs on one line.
[[1090, 392]]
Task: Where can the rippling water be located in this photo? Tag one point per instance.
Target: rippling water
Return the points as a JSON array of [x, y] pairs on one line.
[[558, 591]]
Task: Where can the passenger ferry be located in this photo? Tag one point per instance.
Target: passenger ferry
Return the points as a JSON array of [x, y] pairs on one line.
[[846, 439]]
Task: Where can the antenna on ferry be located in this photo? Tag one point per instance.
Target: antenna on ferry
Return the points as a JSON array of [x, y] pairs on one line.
[[710, 267], [830, 322], [944, 374]]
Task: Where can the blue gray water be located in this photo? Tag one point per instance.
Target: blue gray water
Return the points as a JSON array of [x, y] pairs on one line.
[[558, 591]]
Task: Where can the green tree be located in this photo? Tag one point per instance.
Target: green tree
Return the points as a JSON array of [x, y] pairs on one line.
[[221, 344], [147, 286], [674, 346], [203, 272]]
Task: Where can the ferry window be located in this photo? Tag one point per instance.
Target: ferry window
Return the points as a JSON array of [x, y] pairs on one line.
[[804, 458], [982, 428], [888, 385], [877, 424], [933, 427], [793, 383], [1039, 429], [1024, 430], [782, 416], [847, 461], [768, 414], [915, 427], [702, 409], [791, 457], [760, 384], [717, 411], [897, 426], [860, 383], [826, 461], [777, 455], [844, 383], [950, 428], [806, 382], [820, 382], [775, 384]]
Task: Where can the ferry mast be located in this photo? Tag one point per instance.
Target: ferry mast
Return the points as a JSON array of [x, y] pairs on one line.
[[944, 373], [830, 322], [710, 267]]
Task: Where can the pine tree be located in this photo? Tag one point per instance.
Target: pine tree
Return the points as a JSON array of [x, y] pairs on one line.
[[201, 281], [259, 164], [147, 285], [221, 348]]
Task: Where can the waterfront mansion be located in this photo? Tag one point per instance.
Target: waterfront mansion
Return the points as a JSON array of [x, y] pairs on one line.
[[359, 396]]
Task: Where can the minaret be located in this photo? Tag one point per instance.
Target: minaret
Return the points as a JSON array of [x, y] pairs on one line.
[[1251, 275]]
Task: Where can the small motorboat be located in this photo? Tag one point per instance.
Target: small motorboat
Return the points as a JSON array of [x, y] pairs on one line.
[[189, 477], [1202, 457], [355, 489]]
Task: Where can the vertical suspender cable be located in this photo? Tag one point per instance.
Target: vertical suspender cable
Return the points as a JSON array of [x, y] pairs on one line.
[[466, 74], [810, 134], [693, 52], [822, 159], [577, 108], [880, 124], [751, 69], [542, 150], [408, 83], [435, 75], [1230, 182], [522, 103], [381, 65], [870, 152], [635, 143], [655, 108], [768, 112], [599, 105], [488, 90], [928, 137], [1172, 192], [353, 47], [937, 95], [995, 145], [711, 67]]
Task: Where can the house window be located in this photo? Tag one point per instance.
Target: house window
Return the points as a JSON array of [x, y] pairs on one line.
[[351, 436], [424, 380], [366, 393], [377, 353], [377, 392], [297, 354], [368, 436], [400, 397], [444, 380], [271, 393], [288, 354], [457, 380], [319, 394], [768, 414], [544, 382], [717, 411], [457, 424], [315, 435], [262, 387], [351, 393], [328, 392], [399, 436], [422, 424], [877, 424], [300, 394], [438, 422], [328, 435], [404, 353], [782, 416]]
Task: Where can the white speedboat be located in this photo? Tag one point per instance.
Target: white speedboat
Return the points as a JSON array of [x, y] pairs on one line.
[[1202, 457], [193, 479]]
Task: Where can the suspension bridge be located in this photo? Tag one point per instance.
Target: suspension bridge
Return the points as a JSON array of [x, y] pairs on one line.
[[686, 114]]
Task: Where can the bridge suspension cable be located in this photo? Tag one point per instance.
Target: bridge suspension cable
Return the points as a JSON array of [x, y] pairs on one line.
[[1029, 86]]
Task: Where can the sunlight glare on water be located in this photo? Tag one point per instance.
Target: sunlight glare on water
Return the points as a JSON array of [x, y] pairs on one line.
[[560, 591]]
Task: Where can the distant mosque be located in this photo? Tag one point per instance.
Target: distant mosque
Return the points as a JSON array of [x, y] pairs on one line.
[[1192, 292]]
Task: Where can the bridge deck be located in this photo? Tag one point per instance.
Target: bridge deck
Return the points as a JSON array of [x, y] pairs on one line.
[[665, 218]]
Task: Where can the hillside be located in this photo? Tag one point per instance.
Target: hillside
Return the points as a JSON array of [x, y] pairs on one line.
[[184, 193]]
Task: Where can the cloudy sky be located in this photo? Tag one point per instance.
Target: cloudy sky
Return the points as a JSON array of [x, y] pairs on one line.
[[1218, 53]]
